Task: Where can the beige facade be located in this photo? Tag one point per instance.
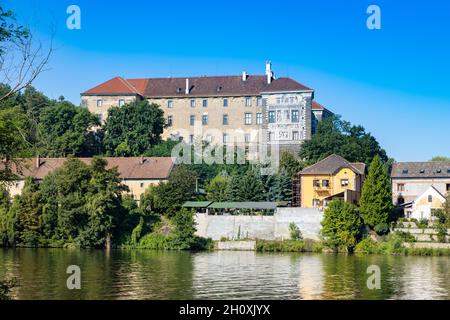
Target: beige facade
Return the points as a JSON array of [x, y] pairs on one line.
[[248, 108]]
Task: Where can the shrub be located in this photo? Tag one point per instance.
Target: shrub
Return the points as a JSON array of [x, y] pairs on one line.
[[381, 228], [367, 246], [5, 288], [295, 232], [422, 224]]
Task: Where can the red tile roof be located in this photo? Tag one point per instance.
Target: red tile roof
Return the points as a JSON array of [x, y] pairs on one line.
[[129, 168], [198, 86]]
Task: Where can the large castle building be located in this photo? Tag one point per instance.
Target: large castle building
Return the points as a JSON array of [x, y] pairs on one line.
[[220, 109]]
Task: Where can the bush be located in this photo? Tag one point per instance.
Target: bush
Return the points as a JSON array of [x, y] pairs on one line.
[[367, 246], [295, 232], [422, 224], [5, 288], [381, 228]]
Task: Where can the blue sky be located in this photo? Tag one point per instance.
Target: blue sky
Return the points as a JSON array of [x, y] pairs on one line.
[[393, 81]]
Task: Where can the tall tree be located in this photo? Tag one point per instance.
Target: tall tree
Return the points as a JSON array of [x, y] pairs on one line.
[[66, 130], [282, 187], [251, 187], [216, 189], [132, 130], [341, 225], [376, 198], [342, 138]]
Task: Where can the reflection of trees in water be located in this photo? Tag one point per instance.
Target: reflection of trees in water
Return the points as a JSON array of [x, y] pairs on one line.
[[150, 274], [346, 277]]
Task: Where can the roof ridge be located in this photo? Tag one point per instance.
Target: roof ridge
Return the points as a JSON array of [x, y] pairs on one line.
[[129, 85]]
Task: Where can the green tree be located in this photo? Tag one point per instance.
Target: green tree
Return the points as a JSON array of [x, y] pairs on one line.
[[281, 189], [216, 189], [341, 225], [376, 198], [342, 138], [440, 159], [251, 187], [26, 210], [233, 188], [184, 237], [66, 130], [290, 164], [133, 129], [167, 198]]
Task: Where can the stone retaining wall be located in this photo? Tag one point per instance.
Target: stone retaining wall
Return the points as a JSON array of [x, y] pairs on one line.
[[274, 227]]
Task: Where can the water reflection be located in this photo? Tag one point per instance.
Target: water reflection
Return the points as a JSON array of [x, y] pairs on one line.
[[142, 274]]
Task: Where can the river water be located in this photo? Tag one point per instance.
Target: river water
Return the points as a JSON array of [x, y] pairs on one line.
[[146, 274]]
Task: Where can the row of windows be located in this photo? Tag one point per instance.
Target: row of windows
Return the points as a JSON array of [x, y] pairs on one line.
[[326, 183], [248, 119], [121, 103], [295, 116], [295, 136], [225, 138], [225, 102], [401, 187]]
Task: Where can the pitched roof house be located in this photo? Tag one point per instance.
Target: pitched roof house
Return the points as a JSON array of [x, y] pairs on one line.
[[332, 177], [136, 172]]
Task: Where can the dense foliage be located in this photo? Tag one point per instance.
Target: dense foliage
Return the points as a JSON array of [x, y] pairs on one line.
[[341, 225], [341, 137], [133, 129], [376, 198]]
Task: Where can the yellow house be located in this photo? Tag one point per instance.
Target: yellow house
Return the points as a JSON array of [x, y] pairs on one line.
[[331, 178]]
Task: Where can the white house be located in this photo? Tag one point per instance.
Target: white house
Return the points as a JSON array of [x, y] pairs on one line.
[[424, 205]]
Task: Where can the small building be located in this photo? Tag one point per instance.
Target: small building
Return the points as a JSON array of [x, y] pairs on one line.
[[412, 179], [138, 173], [331, 178], [423, 206]]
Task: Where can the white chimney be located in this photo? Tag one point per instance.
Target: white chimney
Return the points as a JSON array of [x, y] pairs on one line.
[[187, 86], [269, 73], [244, 75]]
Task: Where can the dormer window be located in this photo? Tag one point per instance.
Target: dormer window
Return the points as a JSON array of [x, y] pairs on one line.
[[405, 171], [438, 170], [422, 171], [179, 90], [219, 88]]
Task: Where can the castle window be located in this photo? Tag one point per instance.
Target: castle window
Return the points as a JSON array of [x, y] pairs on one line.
[[99, 103], [258, 101], [430, 198], [205, 120], [248, 101], [225, 102], [259, 118], [295, 136], [192, 120], [169, 121], [247, 138], [271, 116], [142, 184], [294, 116], [205, 103], [225, 120], [169, 103], [191, 138], [193, 103], [225, 138], [400, 187], [248, 118], [121, 103]]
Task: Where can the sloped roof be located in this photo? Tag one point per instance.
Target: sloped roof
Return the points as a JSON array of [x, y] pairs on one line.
[[116, 86], [332, 164], [426, 170], [129, 168], [198, 86]]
